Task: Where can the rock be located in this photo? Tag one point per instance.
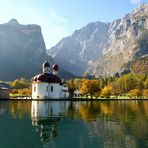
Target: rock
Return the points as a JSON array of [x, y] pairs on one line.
[[76, 52]]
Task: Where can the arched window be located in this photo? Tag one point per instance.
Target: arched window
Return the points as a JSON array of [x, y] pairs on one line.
[[51, 88]]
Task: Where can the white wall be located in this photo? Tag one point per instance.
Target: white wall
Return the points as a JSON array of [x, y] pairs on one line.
[[39, 90], [55, 94], [64, 92]]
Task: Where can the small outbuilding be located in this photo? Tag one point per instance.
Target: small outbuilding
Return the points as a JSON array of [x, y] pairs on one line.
[[4, 90]]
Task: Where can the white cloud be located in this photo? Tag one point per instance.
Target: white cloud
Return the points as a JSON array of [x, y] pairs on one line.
[[135, 1]]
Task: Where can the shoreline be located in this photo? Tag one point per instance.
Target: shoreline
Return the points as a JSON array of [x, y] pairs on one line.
[[74, 99]]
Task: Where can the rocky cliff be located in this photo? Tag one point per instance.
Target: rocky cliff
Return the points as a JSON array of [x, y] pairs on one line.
[[76, 52], [128, 41], [22, 50]]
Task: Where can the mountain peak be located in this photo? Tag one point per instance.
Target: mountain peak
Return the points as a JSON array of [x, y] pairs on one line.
[[141, 10], [13, 21], [142, 5]]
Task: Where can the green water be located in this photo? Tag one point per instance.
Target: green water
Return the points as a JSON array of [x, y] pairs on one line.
[[73, 124]]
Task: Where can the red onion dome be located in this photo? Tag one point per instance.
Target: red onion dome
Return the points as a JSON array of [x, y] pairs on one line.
[[55, 67], [46, 64]]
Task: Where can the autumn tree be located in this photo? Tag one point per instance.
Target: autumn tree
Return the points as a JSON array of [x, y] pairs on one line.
[[71, 86], [134, 93], [106, 91], [116, 88], [20, 83], [90, 87], [145, 93]]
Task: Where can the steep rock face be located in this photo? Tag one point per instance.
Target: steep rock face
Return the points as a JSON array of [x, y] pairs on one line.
[[76, 52], [22, 50], [128, 40]]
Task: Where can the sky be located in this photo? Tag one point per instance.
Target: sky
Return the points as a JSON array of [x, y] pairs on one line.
[[60, 18]]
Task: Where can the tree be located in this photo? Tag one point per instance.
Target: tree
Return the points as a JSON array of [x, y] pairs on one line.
[[146, 83], [90, 87], [78, 83], [127, 83], [106, 91], [20, 84], [71, 87], [134, 93], [116, 88], [145, 93]]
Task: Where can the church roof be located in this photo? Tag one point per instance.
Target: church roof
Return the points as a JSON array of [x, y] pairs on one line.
[[46, 77]]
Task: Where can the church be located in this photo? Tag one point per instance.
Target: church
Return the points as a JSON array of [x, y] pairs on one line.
[[48, 85]]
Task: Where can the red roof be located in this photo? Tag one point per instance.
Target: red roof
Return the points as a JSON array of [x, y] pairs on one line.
[[48, 78]]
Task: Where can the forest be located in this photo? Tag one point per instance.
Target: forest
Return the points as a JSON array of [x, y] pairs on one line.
[[125, 86]]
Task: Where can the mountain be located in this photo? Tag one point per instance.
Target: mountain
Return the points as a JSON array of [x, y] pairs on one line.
[[128, 41], [22, 50], [76, 52], [139, 66], [104, 49]]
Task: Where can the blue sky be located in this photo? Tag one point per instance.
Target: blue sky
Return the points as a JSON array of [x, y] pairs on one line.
[[59, 18]]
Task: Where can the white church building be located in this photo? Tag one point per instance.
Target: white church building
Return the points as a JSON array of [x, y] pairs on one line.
[[48, 85]]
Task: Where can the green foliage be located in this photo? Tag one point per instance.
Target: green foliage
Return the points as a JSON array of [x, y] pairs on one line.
[[20, 84], [129, 84]]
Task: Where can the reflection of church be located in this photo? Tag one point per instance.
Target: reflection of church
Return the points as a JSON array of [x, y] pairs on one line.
[[48, 85], [46, 116]]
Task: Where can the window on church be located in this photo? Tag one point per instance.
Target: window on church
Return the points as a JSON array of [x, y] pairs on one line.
[[47, 88], [34, 88], [51, 88]]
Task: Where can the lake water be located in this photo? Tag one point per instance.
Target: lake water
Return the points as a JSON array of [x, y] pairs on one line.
[[44, 124]]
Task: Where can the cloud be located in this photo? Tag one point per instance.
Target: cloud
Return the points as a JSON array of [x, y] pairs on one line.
[[135, 1]]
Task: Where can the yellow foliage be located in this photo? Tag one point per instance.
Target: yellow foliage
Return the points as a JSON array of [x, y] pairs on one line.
[[134, 93], [106, 91], [90, 87], [145, 93]]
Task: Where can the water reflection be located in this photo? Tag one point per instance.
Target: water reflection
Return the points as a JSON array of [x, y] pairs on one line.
[[46, 117], [122, 124], [87, 124]]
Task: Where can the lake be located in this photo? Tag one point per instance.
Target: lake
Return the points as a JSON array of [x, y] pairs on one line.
[[53, 124]]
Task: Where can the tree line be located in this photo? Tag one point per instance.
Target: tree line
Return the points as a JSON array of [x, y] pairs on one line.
[[128, 85]]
